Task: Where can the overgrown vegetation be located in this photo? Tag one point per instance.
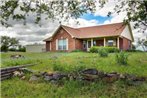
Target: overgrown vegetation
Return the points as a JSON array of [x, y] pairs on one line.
[[103, 52], [68, 62], [122, 58]]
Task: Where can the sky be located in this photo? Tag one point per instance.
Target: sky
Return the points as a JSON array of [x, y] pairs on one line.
[[31, 33]]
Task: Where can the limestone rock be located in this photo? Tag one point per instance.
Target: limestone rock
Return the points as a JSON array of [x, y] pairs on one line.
[[33, 78]]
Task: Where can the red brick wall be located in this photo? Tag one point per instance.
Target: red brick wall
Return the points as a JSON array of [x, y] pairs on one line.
[[124, 44], [47, 46], [79, 44], [62, 34]]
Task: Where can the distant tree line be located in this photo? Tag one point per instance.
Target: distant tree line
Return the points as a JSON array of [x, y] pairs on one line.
[[11, 44]]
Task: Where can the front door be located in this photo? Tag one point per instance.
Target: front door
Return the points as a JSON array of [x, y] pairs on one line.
[[88, 45]]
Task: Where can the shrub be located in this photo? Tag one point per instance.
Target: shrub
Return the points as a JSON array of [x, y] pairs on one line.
[[94, 49], [103, 52], [112, 49], [12, 49], [122, 58]]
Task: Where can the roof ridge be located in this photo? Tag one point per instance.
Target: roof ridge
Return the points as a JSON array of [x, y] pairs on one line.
[[70, 27], [100, 25]]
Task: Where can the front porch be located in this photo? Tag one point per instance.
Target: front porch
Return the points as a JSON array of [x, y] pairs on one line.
[[105, 41]]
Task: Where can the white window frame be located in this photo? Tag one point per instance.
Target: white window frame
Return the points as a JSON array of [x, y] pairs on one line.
[[63, 44]]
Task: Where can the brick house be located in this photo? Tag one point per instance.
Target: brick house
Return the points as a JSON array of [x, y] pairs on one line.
[[68, 39]]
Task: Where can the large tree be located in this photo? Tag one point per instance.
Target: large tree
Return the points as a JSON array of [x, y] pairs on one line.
[[7, 42]]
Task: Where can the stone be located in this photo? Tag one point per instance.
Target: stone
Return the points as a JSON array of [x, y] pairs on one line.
[[54, 76], [122, 77], [23, 78], [140, 79], [33, 78], [129, 77], [18, 73], [48, 78], [111, 77], [101, 74], [90, 77], [90, 71]]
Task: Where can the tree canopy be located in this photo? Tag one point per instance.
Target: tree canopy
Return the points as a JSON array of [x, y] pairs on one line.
[[51, 9]]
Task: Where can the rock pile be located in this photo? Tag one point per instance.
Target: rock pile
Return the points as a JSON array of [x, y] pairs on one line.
[[90, 75]]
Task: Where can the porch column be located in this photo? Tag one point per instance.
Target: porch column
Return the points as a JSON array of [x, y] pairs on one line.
[[118, 42], [92, 42], [104, 42], [50, 46], [87, 44]]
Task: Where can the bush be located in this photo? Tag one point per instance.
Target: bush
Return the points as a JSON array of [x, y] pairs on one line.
[[122, 58], [103, 52], [12, 49], [22, 49], [94, 49], [112, 49]]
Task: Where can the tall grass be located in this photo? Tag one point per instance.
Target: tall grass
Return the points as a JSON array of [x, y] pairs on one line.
[[68, 62]]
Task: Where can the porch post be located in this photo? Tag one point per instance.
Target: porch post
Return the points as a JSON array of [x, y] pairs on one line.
[[87, 44], [92, 42], [118, 42], [50, 46], [104, 41]]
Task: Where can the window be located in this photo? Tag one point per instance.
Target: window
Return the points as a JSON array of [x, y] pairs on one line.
[[62, 44], [110, 42]]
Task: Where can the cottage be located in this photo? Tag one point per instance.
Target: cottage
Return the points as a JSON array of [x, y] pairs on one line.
[[68, 39]]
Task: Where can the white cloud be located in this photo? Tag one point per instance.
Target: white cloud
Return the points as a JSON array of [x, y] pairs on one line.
[[104, 11], [80, 22]]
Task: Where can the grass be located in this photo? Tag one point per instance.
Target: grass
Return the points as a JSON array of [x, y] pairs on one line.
[[67, 62]]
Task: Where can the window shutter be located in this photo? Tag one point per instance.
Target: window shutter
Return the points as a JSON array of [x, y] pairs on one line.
[[56, 44], [66, 43]]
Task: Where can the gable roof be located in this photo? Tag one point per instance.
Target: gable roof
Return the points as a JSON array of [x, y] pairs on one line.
[[94, 31]]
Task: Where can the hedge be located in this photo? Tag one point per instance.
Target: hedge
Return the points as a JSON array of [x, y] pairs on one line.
[[95, 49]]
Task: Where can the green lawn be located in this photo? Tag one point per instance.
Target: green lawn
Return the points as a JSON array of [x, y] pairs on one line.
[[68, 62]]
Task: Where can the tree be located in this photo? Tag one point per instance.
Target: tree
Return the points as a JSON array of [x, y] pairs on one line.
[[136, 11], [44, 9], [21, 48], [142, 43], [64, 9], [7, 42]]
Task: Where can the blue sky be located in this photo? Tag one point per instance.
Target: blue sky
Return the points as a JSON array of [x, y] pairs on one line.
[[100, 19]]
